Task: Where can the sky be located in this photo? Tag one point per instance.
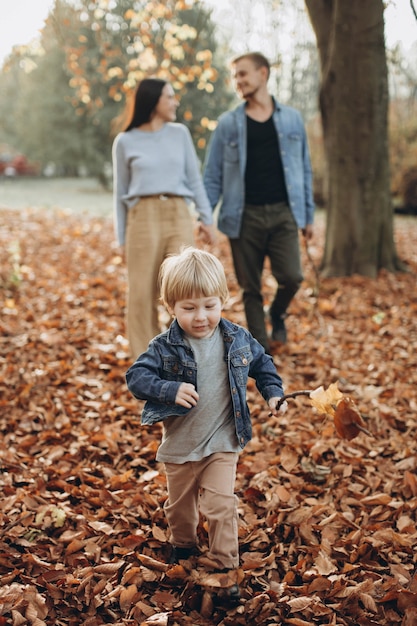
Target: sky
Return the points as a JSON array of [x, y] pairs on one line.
[[21, 20]]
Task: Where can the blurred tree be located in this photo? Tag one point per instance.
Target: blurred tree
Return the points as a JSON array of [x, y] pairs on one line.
[[118, 44], [59, 101], [38, 104], [354, 110], [403, 127], [282, 31], [45, 126], [9, 96]]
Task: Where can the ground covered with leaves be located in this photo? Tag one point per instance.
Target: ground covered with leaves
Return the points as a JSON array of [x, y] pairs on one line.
[[328, 525]]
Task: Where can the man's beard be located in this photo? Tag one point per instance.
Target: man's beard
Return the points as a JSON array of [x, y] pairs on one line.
[[249, 94]]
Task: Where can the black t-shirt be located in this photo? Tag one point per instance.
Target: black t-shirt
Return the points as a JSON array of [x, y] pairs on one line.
[[264, 176]]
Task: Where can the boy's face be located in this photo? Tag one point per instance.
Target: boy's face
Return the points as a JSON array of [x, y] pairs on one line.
[[198, 317]]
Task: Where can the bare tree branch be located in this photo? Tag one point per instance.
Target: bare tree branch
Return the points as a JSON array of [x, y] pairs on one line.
[[413, 8]]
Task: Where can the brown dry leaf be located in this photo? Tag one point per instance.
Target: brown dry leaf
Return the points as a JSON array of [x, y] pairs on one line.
[[347, 419], [411, 481], [206, 608], [159, 619], [133, 575], [324, 564], [109, 568], [75, 546], [369, 602], [410, 617], [377, 498], [36, 610], [283, 494], [127, 597], [164, 599], [159, 534], [406, 599], [152, 563], [288, 458], [176, 572], [299, 604], [145, 609], [221, 580], [150, 576]]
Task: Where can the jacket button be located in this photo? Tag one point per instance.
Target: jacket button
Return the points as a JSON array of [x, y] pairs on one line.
[[234, 390], [245, 361]]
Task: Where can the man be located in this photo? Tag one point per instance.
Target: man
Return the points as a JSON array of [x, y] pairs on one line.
[[258, 164]]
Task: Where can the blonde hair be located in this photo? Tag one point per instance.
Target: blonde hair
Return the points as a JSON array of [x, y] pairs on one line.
[[192, 273], [257, 58]]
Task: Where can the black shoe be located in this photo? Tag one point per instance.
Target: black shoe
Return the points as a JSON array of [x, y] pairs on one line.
[[228, 595], [180, 554], [279, 332]]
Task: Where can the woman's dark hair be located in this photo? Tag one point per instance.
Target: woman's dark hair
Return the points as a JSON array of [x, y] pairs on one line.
[[146, 98]]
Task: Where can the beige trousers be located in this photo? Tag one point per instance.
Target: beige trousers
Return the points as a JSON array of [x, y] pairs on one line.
[[155, 228], [207, 485]]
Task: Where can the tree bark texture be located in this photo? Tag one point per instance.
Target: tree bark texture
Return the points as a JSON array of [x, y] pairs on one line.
[[354, 110]]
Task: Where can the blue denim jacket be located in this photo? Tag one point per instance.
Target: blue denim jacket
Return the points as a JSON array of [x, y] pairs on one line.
[[224, 171], [157, 374]]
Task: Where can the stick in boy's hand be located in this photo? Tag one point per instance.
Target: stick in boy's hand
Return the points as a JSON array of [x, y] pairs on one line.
[[276, 406]]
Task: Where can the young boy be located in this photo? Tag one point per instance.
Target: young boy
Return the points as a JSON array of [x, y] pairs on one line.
[[194, 378]]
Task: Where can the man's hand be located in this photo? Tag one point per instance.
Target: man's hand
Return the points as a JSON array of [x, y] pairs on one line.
[[186, 395], [308, 232], [272, 403]]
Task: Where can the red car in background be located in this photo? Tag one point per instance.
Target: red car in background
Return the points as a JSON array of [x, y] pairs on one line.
[[16, 164]]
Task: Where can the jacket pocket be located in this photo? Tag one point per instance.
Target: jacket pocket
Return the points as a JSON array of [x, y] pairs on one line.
[[172, 368], [295, 144], [240, 361], [231, 152]]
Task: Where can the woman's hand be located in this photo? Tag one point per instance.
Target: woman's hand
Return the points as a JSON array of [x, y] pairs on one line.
[[207, 233], [186, 395]]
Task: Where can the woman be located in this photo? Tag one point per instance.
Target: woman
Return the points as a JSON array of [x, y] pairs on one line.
[[156, 172]]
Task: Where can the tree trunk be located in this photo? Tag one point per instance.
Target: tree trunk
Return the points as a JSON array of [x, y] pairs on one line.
[[354, 109]]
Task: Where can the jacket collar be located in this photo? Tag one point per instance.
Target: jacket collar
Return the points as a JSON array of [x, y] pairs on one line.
[[240, 109], [175, 335]]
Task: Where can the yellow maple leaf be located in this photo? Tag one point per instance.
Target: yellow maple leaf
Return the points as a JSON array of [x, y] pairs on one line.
[[325, 401]]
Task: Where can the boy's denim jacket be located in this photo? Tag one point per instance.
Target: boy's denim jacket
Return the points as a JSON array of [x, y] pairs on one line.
[[224, 169], [169, 361]]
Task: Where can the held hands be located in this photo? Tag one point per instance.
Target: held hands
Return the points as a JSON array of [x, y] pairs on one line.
[[308, 232], [272, 403], [207, 233], [186, 395]]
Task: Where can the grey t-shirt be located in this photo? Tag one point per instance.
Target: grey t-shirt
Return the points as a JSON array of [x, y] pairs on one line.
[[209, 426]]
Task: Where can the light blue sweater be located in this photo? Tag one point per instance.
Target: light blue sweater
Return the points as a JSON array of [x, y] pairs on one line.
[[156, 162]]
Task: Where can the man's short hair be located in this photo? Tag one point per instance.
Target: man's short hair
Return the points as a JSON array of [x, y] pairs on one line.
[[257, 58]]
